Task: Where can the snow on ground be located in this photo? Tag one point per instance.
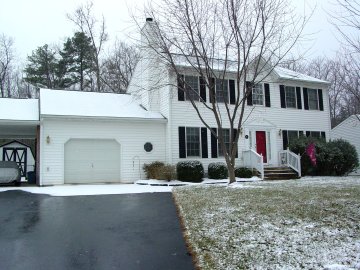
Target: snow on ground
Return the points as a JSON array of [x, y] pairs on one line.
[[311, 223], [75, 190]]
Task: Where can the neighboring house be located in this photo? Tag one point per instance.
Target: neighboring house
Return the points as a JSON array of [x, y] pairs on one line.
[[19, 152], [349, 130], [87, 137]]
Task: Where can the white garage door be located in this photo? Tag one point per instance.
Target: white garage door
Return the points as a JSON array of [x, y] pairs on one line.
[[92, 161]]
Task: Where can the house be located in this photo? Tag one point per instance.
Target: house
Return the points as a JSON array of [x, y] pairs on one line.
[[349, 130], [19, 152], [87, 137]]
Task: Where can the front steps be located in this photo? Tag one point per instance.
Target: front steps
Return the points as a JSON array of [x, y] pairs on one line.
[[279, 173]]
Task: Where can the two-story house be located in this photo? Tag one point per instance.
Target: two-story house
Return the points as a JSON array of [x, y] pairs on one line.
[[92, 137]]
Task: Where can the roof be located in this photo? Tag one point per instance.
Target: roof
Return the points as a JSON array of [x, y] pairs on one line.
[[288, 74], [218, 64], [19, 109], [355, 118], [92, 104]]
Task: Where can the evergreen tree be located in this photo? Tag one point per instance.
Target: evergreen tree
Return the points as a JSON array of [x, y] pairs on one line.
[[77, 59], [43, 69]]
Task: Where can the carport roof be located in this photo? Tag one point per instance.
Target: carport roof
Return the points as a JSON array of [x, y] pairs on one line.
[[19, 109], [92, 104]]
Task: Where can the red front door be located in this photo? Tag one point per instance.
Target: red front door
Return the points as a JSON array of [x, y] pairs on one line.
[[261, 144]]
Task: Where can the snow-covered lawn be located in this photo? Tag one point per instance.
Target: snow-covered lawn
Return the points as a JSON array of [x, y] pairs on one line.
[[311, 223]]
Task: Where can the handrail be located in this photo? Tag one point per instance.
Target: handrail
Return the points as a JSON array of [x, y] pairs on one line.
[[290, 159], [254, 161]]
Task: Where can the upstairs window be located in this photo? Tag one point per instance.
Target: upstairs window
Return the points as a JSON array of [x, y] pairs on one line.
[[290, 97], [313, 99], [192, 88], [257, 94], [222, 91]]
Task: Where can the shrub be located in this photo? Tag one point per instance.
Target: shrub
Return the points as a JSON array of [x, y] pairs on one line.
[[153, 170], [191, 171], [332, 158], [243, 172], [217, 170], [167, 172]]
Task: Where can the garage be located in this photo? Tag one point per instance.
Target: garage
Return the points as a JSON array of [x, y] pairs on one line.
[[92, 161]]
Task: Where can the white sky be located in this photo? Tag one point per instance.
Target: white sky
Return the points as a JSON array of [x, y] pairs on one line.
[[33, 23]]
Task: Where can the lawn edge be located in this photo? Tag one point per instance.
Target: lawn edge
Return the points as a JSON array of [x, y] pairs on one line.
[[184, 230]]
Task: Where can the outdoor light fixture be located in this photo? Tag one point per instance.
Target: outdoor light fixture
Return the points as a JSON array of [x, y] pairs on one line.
[[48, 139]]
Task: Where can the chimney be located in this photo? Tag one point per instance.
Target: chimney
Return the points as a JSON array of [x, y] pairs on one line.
[[149, 19]]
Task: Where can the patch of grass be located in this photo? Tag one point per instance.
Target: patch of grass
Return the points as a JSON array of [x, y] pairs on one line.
[[291, 224]]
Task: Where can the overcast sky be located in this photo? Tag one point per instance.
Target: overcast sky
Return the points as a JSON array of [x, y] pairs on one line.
[[33, 23]]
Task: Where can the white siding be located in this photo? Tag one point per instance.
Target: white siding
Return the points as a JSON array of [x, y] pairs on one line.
[[130, 135], [349, 130], [183, 114]]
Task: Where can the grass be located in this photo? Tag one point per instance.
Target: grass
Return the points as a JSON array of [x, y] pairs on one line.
[[298, 224]]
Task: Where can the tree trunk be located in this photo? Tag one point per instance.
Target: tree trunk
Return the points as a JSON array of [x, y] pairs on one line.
[[231, 170]]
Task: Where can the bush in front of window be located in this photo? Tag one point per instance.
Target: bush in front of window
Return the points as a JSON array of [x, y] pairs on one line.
[[190, 171], [217, 170], [243, 172], [153, 169], [337, 157]]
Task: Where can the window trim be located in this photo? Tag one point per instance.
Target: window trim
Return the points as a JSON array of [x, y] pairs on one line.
[[200, 145], [263, 94], [317, 99], [295, 97], [198, 84]]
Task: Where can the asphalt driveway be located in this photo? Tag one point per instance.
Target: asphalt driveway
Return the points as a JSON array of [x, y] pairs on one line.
[[135, 231]]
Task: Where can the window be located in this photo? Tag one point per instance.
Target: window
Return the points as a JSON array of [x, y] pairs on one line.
[[314, 134], [290, 97], [192, 142], [313, 99], [226, 135], [292, 134], [192, 88], [222, 91], [289, 136], [257, 95]]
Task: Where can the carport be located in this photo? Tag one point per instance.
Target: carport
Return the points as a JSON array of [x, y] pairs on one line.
[[19, 119]]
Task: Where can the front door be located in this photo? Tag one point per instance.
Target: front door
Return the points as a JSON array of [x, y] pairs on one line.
[[18, 155], [261, 144]]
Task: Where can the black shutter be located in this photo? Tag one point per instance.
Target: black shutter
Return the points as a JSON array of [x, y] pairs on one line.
[[212, 90], [214, 153], [282, 96], [308, 134], [298, 97], [232, 91], [323, 135], [285, 139], [182, 143], [202, 88], [249, 92], [180, 82], [267, 95], [306, 99], [235, 133], [204, 144], [321, 103]]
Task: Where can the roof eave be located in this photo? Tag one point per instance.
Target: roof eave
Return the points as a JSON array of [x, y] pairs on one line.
[[109, 118]]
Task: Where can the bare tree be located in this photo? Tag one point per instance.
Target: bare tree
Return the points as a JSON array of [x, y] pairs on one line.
[[6, 64], [242, 37], [87, 23], [119, 67]]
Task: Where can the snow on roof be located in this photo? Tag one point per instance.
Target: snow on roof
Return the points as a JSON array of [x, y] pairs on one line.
[[19, 109], [218, 64], [288, 74], [92, 104]]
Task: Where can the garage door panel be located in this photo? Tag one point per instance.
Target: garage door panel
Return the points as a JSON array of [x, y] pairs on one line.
[[92, 161]]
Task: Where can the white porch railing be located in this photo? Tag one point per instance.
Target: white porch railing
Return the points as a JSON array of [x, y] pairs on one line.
[[290, 159], [254, 160]]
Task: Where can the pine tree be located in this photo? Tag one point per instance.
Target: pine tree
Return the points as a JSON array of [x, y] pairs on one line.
[[77, 58]]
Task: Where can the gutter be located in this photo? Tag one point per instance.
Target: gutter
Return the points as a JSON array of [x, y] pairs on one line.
[[106, 118]]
